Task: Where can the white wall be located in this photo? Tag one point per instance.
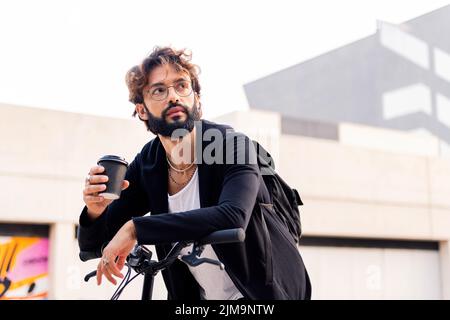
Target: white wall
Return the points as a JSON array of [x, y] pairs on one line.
[[372, 273]]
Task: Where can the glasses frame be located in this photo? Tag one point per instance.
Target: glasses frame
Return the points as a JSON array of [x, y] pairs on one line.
[[176, 91]]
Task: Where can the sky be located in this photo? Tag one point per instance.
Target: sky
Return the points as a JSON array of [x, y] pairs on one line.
[[73, 55]]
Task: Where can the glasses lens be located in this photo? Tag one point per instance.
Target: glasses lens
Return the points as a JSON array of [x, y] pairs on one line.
[[159, 93], [183, 88]]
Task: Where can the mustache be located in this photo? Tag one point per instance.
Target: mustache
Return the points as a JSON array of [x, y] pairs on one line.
[[173, 105]]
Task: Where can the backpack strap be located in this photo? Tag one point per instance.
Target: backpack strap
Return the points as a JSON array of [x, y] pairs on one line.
[[265, 160]]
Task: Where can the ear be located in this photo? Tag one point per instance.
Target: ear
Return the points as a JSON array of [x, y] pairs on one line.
[[141, 111]]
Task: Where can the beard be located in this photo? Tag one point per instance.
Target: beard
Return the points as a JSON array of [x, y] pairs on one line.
[[160, 126]]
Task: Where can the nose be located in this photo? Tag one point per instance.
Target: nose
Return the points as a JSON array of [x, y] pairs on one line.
[[172, 95]]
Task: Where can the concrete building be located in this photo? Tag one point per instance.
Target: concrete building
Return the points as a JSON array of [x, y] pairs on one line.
[[398, 78], [376, 217]]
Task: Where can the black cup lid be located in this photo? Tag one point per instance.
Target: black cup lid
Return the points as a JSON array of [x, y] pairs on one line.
[[110, 157]]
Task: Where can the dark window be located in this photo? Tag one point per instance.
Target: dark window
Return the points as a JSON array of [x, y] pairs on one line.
[[24, 230], [368, 243]]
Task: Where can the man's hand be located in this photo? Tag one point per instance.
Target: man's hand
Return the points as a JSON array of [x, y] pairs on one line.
[[94, 184], [116, 252]]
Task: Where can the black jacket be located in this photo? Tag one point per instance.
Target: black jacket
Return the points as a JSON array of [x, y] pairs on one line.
[[267, 265]]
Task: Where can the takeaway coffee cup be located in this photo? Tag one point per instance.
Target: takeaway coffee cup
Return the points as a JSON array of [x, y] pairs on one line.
[[115, 169]]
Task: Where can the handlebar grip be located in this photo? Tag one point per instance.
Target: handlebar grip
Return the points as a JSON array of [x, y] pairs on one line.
[[224, 236], [89, 255]]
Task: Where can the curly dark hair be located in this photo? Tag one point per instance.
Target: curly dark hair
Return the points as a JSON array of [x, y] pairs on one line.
[[137, 77]]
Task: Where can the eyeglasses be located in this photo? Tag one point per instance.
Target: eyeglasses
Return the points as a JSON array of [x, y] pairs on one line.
[[159, 92]]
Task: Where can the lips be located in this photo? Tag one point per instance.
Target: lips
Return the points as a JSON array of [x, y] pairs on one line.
[[175, 110]]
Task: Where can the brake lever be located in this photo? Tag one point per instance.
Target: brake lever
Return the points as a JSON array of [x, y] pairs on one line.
[[193, 259], [90, 275]]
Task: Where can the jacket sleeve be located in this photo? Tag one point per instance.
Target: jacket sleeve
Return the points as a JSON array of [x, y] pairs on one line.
[[237, 198], [132, 203]]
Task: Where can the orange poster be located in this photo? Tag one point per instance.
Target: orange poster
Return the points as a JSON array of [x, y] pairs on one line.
[[23, 268]]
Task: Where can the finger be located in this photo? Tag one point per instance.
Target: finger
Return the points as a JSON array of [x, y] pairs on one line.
[[108, 275], [94, 199], [115, 270], [99, 273], [94, 189], [96, 169], [98, 178], [125, 184], [121, 263]]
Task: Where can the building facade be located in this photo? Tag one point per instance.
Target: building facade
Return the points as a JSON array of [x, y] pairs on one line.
[[397, 78], [376, 219]]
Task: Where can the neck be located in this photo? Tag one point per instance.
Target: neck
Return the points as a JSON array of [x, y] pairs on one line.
[[180, 152]]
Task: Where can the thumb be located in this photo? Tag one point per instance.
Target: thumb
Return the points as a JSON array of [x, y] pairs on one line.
[[125, 184]]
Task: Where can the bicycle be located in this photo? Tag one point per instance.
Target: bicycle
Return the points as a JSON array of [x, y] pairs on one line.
[[140, 259]]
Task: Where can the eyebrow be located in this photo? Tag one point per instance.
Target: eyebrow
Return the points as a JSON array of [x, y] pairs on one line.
[[163, 84]]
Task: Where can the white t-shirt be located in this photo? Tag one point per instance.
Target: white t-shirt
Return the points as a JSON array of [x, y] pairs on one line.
[[215, 283]]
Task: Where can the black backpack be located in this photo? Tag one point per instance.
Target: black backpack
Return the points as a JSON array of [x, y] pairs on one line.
[[285, 199]]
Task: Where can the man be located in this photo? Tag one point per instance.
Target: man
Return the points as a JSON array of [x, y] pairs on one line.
[[191, 192]]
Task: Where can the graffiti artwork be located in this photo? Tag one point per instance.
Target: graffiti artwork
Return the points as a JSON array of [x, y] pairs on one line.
[[23, 268]]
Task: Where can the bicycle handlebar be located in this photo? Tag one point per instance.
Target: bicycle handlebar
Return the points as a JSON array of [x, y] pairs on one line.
[[223, 236], [217, 237]]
